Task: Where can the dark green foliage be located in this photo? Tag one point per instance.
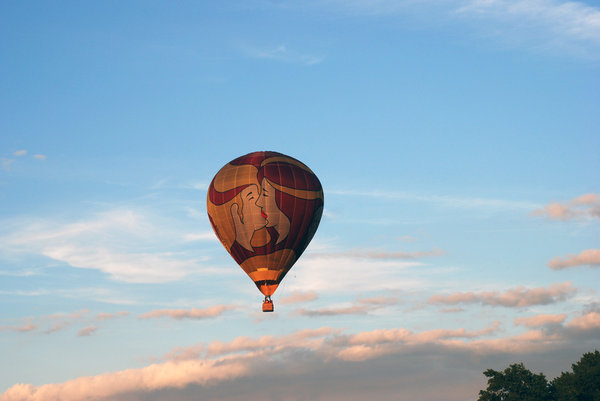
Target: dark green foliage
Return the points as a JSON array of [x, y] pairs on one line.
[[581, 385], [563, 387], [516, 383]]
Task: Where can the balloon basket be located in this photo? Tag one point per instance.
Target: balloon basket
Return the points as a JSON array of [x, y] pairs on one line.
[[268, 305]]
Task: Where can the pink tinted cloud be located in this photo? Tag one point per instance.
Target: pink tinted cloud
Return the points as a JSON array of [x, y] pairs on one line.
[[299, 297], [362, 306], [587, 205], [59, 321], [194, 313], [540, 320], [555, 210], [308, 339], [110, 385], [27, 327], [589, 257], [587, 199], [585, 322], [452, 310], [379, 301], [222, 363], [376, 343], [107, 316], [87, 331], [381, 336], [516, 297], [346, 310], [62, 320]]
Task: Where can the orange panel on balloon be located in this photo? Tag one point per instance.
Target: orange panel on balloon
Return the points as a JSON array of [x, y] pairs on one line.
[[265, 208]]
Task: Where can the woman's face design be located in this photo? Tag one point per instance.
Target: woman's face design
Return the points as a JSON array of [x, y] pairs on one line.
[[251, 211], [268, 206]]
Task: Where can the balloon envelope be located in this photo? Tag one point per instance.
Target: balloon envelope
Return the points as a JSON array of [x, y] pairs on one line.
[[265, 208]]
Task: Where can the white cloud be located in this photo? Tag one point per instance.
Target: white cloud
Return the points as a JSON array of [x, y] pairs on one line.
[[129, 267], [341, 273], [121, 243], [564, 27], [205, 236], [20, 153], [560, 19]]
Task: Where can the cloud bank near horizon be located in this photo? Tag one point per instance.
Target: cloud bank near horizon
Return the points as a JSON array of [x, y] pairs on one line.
[[223, 369]]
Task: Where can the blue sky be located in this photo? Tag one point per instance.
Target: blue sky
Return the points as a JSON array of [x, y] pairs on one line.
[[457, 144]]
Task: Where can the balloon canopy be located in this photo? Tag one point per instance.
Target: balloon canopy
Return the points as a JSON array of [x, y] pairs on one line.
[[265, 208]]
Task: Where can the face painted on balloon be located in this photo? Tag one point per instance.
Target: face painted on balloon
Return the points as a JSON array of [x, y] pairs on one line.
[[250, 219], [270, 211]]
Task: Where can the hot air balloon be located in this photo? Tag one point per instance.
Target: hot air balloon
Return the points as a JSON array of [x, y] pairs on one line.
[[265, 208]]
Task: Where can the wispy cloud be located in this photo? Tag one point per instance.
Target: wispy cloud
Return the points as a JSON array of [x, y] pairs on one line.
[[299, 297], [60, 321], [6, 163], [282, 53], [205, 236], [318, 273], [559, 20], [516, 297], [590, 257], [540, 320], [380, 300], [361, 306], [56, 322], [556, 26], [377, 254], [87, 331], [49, 324], [310, 339], [335, 311], [108, 316], [584, 206], [24, 328], [441, 200], [97, 243], [194, 313]]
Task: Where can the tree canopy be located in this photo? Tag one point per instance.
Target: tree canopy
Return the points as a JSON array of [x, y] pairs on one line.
[[516, 383]]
